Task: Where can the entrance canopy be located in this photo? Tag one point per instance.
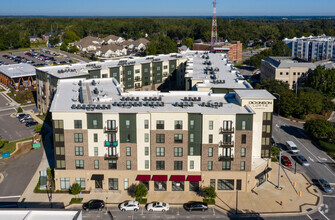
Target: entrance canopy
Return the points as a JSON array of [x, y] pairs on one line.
[[97, 177]]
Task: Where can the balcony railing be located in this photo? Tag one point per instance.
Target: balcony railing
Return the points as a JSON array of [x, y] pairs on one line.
[[225, 158], [111, 143], [110, 129], [138, 86], [137, 79], [226, 143], [111, 157], [226, 130]]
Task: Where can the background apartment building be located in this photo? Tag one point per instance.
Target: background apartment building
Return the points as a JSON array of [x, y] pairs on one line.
[[285, 69], [108, 139], [148, 73], [312, 48]]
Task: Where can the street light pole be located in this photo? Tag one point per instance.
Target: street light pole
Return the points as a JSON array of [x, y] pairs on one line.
[[279, 170], [278, 103]]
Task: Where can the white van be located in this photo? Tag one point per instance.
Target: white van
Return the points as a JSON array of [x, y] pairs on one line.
[[292, 147]]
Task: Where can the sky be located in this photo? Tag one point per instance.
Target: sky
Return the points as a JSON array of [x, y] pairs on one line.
[[167, 7]]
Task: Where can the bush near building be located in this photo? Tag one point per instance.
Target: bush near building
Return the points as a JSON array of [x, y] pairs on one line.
[[209, 194], [140, 191]]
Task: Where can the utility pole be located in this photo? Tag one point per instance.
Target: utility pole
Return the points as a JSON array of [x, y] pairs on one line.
[[278, 187], [214, 38]]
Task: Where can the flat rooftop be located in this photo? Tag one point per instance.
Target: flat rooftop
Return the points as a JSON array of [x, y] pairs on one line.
[[215, 71], [288, 62], [106, 96], [18, 70], [254, 94]]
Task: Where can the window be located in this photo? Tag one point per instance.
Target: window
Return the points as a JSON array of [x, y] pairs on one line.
[[146, 124], [60, 164], [178, 125], [191, 151], [112, 164], [227, 125], [104, 76], [129, 72], [178, 165], [227, 138], [286, 73], [165, 67], [77, 124], [178, 185], [146, 151], [281, 73], [81, 182], [210, 125], [267, 129], [191, 138], [65, 183], [225, 184], [146, 164], [78, 138], [59, 137], [96, 151], [95, 123], [212, 183], [58, 124], [244, 139], [238, 184], [128, 151], [210, 139], [265, 153], [95, 136], [128, 165], [265, 141], [96, 164], [60, 150], [111, 125], [225, 165], [178, 151], [191, 164], [79, 164], [267, 116], [126, 183], [210, 152], [127, 124], [113, 184], [191, 124], [178, 138], [160, 151], [244, 125], [146, 137], [294, 73], [79, 151], [160, 138], [242, 165], [243, 151], [137, 71], [210, 165], [159, 124], [160, 186], [160, 165]]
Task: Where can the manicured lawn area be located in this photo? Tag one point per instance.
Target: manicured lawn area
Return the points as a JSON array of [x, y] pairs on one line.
[[76, 200], [11, 146], [328, 147], [23, 96]]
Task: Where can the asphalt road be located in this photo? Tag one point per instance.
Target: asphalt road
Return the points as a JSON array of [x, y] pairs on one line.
[[321, 166]]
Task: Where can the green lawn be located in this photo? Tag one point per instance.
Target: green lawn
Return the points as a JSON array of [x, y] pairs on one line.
[[11, 146], [328, 147]]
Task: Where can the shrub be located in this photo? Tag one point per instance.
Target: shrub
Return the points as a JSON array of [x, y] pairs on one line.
[[209, 192], [76, 200], [75, 189], [140, 191], [209, 201], [19, 110], [38, 128]]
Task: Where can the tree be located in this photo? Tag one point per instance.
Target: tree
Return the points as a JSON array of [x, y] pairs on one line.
[[75, 189], [288, 101], [161, 45], [275, 151], [188, 42], [53, 40], [70, 37], [319, 129], [38, 128], [73, 49], [209, 192], [63, 47], [140, 191], [322, 80], [3, 142]]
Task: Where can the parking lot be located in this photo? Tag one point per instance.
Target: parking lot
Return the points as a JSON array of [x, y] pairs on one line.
[[36, 58]]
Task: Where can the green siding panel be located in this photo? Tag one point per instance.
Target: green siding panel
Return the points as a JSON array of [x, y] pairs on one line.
[[157, 72], [128, 80], [197, 132], [94, 116], [247, 118], [94, 74], [127, 134], [115, 73], [222, 90], [188, 84], [146, 74], [172, 66]]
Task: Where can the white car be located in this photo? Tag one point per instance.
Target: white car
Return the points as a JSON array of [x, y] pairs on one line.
[[158, 206], [129, 206]]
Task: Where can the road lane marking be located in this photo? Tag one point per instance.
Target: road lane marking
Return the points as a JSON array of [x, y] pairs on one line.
[[309, 217], [8, 197], [330, 196], [311, 159], [321, 158], [324, 215]]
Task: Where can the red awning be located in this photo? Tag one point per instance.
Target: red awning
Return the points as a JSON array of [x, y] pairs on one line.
[[177, 178], [159, 177], [194, 178], [143, 177]]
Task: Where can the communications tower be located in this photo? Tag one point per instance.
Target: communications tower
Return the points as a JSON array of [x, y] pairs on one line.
[[214, 38]]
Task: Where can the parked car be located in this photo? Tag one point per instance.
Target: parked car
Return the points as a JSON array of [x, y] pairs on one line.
[[94, 204], [19, 115], [24, 118], [31, 123], [324, 185], [129, 206], [292, 147], [158, 206], [196, 206], [302, 160], [286, 161]]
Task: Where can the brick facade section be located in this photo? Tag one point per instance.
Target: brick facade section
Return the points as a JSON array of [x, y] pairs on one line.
[[236, 163], [122, 161], [217, 165], [169, 145]]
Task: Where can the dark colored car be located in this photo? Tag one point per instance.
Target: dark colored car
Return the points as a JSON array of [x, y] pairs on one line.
[[196, 206], [94, 204], [286, 161], [31, 123], [324, 185]]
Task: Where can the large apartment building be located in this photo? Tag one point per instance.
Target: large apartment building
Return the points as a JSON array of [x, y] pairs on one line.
[[140, 73], [312, 48], [108, 139], [285, 69]]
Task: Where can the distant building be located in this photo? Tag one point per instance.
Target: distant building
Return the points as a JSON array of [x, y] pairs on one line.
[[35, 39], [89, 43], [112, 39], [233, 49], [285, 69], [18, 76], [312, 48], [46, 36], [111, 50]]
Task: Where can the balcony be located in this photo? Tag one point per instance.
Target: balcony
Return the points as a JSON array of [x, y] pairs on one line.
[[226, 144], [138, 85], [110, 129], [226, 158], [137, 79], [111, 143], [111, 157], [226, 130]]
